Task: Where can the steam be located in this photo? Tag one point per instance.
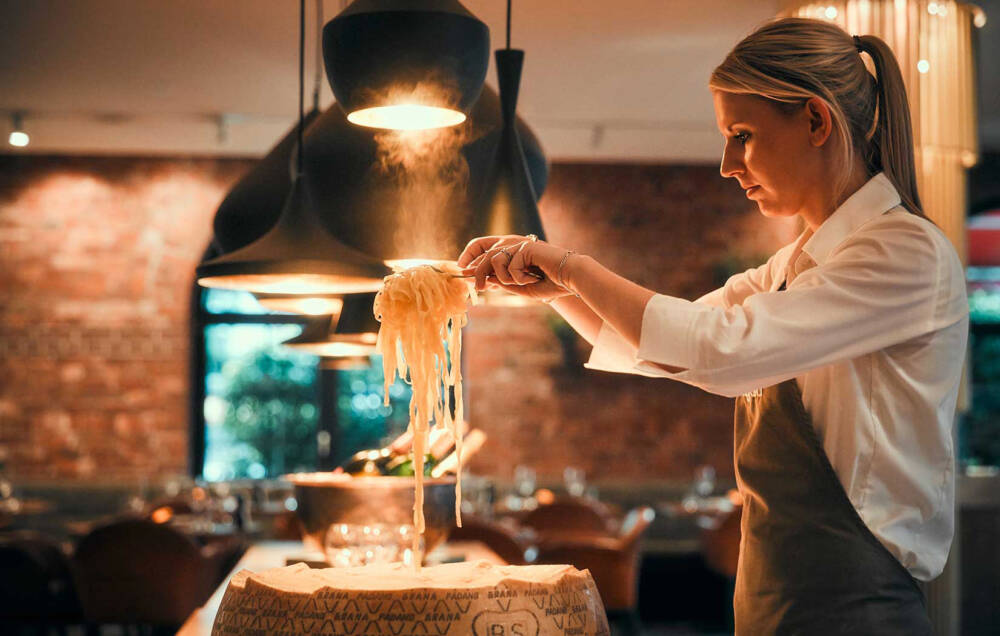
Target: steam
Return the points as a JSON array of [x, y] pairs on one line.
[[430, 175]]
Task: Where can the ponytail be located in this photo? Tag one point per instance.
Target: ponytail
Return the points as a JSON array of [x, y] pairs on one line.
[[891, 144], [792, 60]]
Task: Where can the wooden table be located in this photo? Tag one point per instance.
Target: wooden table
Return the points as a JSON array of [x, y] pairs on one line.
[[274, 554]]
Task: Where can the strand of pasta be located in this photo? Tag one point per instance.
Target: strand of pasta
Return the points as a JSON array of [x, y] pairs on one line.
[[422, 311]]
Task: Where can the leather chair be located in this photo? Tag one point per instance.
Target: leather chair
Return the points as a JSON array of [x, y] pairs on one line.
[[575, 516], [613, 561], [136, 572], [513, 545], [36, 587]]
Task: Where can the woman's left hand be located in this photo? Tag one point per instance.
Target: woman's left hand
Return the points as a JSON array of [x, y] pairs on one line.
[[514, 262]]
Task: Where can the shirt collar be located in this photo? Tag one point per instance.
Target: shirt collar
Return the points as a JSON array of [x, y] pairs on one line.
[[873, 199]]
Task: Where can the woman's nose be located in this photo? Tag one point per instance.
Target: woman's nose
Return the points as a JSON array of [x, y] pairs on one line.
[[730, 166]]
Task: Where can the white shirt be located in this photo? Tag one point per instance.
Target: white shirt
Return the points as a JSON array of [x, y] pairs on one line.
[[873, 327]]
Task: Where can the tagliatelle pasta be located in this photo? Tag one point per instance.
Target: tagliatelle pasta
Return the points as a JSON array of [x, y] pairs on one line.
[[420, 310]]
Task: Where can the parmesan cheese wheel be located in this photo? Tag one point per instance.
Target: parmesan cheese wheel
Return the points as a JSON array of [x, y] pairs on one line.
[[455, 599]]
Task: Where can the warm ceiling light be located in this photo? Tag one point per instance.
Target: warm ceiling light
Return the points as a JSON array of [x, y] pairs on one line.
[[400, 264], [923, 66], [18, 137], [318, 339], [376, 51], [357, 322], [368, 199], [323, 305], [297, 255], [406, 117]]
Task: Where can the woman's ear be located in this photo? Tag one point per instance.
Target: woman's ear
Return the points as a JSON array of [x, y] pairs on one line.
[[820, 121]]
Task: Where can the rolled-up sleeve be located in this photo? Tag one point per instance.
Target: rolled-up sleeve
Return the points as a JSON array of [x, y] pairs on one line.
[[858, 302]]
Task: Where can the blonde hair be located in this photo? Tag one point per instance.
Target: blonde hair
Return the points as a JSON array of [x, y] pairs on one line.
[[791, 60]]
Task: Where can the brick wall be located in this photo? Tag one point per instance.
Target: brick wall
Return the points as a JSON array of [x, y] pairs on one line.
[[675, 229], [97, 257], [96, 262]]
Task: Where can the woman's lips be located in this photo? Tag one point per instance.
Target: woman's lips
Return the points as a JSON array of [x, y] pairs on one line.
[[751, 190]]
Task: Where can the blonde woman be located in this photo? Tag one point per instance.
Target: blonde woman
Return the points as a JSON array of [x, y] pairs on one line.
[[844, 350]]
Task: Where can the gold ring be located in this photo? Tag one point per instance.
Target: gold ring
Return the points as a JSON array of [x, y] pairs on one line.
[[532, 237]]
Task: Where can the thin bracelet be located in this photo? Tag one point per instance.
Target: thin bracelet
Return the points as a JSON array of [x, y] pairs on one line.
[[559, 270]]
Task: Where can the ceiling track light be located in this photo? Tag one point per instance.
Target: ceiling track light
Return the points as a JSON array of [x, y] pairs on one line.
[[406, 64], [297, 255], [18, 138]]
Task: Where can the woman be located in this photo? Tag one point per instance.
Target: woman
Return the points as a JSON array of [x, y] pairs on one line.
[[845, 348]]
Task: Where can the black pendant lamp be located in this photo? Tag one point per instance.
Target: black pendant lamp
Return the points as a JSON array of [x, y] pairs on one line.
[[355, 334], [309, 305], [316, 339], [509, 201], [252, 207], [297, 255], [373, 212], [406, 64]]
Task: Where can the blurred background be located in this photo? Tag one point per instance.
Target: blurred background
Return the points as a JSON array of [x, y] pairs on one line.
[[127, 389]]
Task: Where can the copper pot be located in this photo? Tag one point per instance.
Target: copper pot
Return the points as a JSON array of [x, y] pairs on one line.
[[325, 499]]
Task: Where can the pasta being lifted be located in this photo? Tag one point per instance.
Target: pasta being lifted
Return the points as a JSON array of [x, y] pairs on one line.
[[421, 309]]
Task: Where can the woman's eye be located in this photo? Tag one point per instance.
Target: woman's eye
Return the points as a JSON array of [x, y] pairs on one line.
[[741, 137]]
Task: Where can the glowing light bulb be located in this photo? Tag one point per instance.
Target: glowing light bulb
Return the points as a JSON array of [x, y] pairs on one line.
[[18, 138], [979, 19], [923, 66], [830, 12], [406, 117], [932, 8]]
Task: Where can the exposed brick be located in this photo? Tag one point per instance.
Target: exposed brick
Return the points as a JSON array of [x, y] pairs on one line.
[[97, 256]]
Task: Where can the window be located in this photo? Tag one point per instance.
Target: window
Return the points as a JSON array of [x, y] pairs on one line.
[[261, 410], [980, 439]]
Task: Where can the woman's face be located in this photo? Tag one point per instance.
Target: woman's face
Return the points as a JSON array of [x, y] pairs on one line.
[[773, 155]]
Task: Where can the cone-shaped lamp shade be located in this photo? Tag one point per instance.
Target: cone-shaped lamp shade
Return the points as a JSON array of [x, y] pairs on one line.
[[252, 206], [296, 256], [375, 208], [357, 320], [317, 339], [406, 64], [508, 204], [309, 305], [342, 364]]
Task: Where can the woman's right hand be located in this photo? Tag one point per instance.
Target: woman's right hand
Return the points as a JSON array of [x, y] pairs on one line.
[[513, 262]]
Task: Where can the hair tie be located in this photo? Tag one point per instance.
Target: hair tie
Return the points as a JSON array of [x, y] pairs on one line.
[[857, 43]]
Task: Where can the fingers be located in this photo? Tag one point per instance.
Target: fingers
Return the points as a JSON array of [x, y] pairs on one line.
[[519, 263], [476, 248], [501, 260]]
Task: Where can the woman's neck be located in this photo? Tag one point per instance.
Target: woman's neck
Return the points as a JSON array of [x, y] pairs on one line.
[[828, 201]]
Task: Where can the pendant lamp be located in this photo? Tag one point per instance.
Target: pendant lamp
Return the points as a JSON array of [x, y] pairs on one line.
[[357, 320], [406, 64], [252, 206], [508, 204], [374, 209], [297, 255], [316, 339], [355, 334], [309, 305]]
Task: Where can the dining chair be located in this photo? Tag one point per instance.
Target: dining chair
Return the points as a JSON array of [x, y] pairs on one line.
[[513, 545], [613, 561], [137, 572], [36, 587]]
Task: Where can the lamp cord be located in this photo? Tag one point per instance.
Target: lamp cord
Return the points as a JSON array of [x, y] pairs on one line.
[[302, 49], [318, 78], [508, 23]]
